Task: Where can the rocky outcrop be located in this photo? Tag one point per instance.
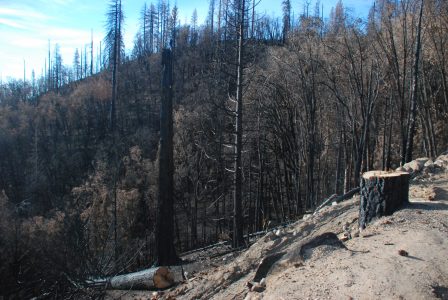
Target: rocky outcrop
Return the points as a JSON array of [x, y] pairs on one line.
[[425, 165]]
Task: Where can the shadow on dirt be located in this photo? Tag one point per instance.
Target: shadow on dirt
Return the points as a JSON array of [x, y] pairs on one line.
[[426, 206]]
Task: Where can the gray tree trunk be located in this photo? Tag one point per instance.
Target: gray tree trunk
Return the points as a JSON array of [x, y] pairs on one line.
[[413, 111], [238, 192]]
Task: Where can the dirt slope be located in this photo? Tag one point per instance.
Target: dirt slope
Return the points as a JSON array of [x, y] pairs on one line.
[[370, 267]]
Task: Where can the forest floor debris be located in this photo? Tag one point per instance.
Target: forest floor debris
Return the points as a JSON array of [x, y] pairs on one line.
[[371, 265]]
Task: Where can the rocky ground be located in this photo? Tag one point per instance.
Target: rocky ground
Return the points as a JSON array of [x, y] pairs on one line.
[[403, 256]]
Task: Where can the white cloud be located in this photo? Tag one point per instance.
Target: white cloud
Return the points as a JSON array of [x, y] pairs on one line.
[[57, 2], [28, 42], [12, 23], [23, 13]]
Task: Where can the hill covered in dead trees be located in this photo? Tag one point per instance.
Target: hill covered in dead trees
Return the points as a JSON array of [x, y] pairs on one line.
[[277, 113], [326, 256]]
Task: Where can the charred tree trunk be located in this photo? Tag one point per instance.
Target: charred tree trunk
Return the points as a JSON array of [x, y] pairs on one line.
[[381, 194], [414, 95], [166, 254], [238, 239], [115, 64]]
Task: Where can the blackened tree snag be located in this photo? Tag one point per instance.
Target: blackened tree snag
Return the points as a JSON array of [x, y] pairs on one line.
[[238, 192], [165, 252], [114, 45], [381, 194], [415, 92]]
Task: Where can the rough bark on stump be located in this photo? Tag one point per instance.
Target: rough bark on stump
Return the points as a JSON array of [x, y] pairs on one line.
[[381, 194], [154, 278]]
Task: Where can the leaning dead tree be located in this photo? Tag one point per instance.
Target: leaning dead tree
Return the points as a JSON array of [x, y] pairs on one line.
[[382, 193], [337, 199]]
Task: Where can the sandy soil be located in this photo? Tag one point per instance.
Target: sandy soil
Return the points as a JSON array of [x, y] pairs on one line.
[[370, 267]]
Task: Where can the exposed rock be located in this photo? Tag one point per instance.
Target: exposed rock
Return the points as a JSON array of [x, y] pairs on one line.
[[428, 167], [441, 162], [429, 163], [416, 165], [443, 157], [279, 233], [307, 217]]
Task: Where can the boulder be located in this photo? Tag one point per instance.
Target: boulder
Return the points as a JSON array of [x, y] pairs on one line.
[[429, 166], [307, 217], [416, 165], [429, 163], [441, 161]]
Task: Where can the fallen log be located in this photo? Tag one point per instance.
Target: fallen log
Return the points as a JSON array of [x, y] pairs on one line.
[[381, 194], [154, 278]]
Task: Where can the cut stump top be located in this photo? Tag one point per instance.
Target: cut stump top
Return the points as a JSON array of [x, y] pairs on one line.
[[383, 174]]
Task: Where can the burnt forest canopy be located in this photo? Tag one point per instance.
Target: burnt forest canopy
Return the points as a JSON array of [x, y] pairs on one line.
[[207, 133]]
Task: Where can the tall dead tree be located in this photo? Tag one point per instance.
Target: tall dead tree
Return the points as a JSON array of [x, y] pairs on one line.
[[414, 95], [114, 46], [91, 53], [165, 251], [286, 5], [238, 192]]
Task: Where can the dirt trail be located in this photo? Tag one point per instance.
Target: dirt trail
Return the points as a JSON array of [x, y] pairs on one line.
[[370, 268]]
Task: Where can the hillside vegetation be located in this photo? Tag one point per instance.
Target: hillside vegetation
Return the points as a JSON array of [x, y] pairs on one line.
[[322, 102]]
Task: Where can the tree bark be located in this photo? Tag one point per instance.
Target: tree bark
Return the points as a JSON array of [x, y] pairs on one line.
[[238, 192], [413, 111], [166, 253], [381, 194]]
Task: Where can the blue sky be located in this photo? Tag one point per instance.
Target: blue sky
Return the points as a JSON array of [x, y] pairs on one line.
[[27, 25]]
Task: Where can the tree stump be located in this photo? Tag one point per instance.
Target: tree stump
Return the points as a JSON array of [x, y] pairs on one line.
[[381, 194]]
